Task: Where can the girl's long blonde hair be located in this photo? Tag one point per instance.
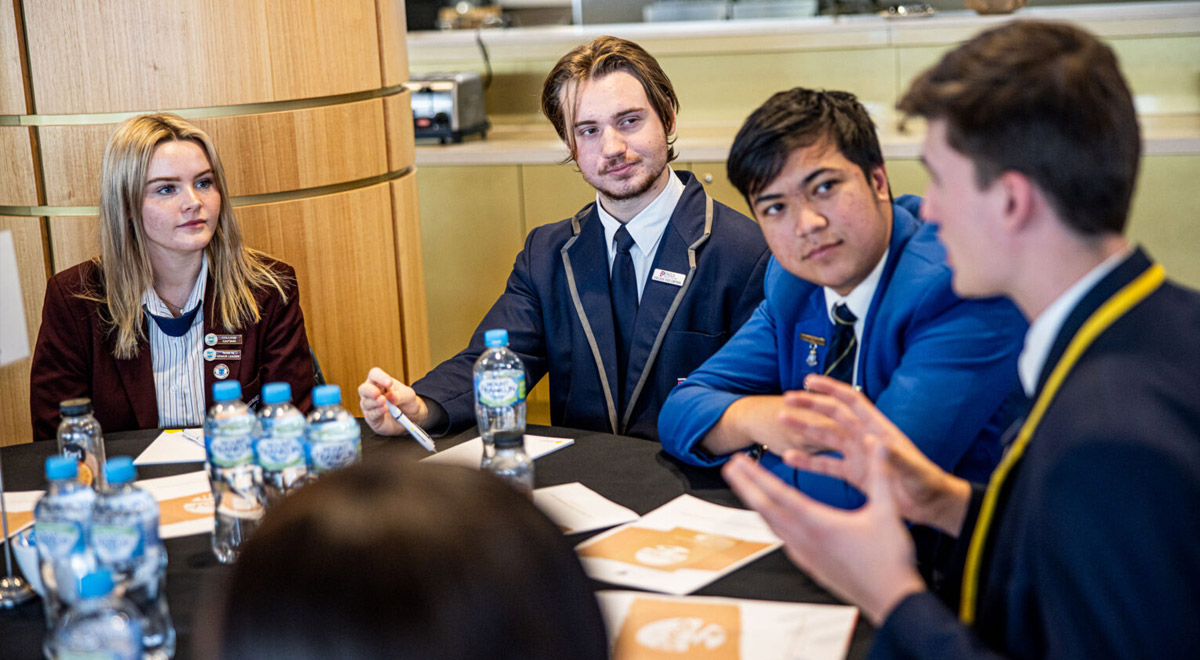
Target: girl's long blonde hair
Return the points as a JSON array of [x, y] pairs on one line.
[[236, 270]]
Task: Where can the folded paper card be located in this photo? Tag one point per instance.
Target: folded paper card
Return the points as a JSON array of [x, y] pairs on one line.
[[650, 627], [470, 453], [185, 504], [174, 446], [679, 547], [575, 508], [19, 505]]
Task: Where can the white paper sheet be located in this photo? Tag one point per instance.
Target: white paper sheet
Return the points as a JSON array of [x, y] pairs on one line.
[[174, 446], [185, 503], [679, 547], [20, 505], [14, 340], [576, 508], [643, 626], [470, 453]]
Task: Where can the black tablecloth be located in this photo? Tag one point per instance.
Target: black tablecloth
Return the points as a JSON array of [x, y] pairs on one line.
[[629, 471]]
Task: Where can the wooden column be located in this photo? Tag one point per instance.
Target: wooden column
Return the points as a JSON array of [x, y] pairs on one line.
[[306, 104]]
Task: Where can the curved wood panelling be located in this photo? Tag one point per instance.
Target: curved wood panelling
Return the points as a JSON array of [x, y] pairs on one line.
[[410, 270], [14, 378], [12, 81], [397, 113], [342, 254], [73, 240], [143, 54], [355, 243], [262, 153], [17, 183], [393, 43]]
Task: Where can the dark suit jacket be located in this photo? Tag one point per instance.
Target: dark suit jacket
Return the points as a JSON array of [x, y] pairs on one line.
[[73, 356], [558, 314], [1093, 552]]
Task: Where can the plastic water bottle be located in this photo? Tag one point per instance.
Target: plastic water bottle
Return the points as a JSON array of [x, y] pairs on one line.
[[102, 625], [62, 518], [511, 463], [333, 439], [499, 392], [279, 447], [228, 441], [124, 538], [80, 437]]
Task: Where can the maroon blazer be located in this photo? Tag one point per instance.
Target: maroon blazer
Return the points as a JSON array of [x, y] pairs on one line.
[[73, 356]]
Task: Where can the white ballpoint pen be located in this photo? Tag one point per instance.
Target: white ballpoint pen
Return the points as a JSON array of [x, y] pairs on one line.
[[415, 431]]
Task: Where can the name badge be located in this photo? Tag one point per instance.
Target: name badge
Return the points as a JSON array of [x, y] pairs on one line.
[[813, 343], [812, 339], [211, 354], [667, 277], [213, 339]]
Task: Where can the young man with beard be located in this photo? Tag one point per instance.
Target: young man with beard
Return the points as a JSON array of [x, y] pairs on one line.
[[1083, 543], [621, 301]]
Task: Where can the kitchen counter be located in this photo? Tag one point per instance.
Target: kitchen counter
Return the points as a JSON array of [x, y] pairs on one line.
[[537, 144]]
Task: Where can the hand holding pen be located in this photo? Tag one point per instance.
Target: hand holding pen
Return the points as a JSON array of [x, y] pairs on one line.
[[384, 400]]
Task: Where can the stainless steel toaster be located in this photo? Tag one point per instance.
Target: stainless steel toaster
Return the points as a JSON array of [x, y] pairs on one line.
[[448, 106]]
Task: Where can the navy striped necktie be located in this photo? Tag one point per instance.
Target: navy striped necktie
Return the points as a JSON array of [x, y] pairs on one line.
[[839, 361], [624, 294]]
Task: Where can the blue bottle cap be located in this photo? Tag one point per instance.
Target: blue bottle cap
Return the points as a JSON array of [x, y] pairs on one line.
[[324, 395], [95, 585], [227, 390], [120, 470], [494, 338], [61, 467], [75, 407], [276, 393]]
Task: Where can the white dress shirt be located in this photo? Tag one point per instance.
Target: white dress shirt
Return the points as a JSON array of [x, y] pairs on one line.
[[178, 362], [646, 228], [1045, 328], [859, 303]]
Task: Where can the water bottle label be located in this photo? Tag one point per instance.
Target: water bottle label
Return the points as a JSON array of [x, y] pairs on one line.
[[59, 539], [115, 544], [230, 450], [325, 456], [344, 429], [89, 655], [287, 426], [279, 453], [503, 387]]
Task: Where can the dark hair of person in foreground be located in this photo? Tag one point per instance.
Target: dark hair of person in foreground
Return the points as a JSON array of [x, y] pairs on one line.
[[395, 559], [1047, 100]]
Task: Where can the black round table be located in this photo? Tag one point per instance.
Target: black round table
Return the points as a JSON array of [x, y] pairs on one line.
[[633, 472]]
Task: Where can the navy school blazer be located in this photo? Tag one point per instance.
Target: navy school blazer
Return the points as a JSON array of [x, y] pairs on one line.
[[1092, 548], [558, 313]]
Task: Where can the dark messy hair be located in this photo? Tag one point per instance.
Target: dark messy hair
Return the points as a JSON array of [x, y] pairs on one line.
[[1047, 100], [395, 559], [795, 119]]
